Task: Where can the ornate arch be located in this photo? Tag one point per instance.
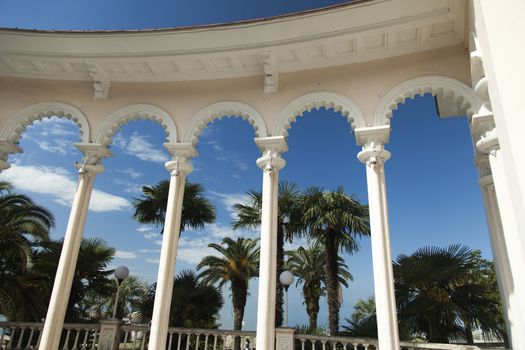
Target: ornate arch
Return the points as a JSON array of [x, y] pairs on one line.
[[461, 94], [219, 110], [133, 112], [316, 100], [26, 117]]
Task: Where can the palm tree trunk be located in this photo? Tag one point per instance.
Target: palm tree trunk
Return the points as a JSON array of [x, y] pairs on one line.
[[312, 306], [239, 295], [280, 289], [332, 283]]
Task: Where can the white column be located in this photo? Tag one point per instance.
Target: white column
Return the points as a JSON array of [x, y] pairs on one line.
[[374, 156], [497, 241], [488, 143], [68, 257], [270, 163], [179, 168]]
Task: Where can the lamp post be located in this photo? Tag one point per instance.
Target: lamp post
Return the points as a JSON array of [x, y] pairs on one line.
[[121, 273], [286, 279]]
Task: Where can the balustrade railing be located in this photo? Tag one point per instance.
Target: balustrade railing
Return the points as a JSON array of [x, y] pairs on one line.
[[136, 337], [26, 335], [320, 342]]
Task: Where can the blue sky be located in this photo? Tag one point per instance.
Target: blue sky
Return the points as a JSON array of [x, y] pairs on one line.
[[432, 186]]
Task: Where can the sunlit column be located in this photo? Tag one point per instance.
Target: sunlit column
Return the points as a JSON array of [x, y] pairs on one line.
[[374, 156], [497, 241], [58, 303], [488, 143], [179, 167], [270, 163]]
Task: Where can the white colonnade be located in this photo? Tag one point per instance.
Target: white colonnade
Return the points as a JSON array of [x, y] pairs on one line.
[[374, 156], [179, 168], [504, 234], [270, 163], [59, 301]]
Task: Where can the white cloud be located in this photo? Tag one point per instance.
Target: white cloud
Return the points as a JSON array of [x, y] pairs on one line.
[[153, 261], [151, 235], [134, 174], [144, 228], [122, 254], [192, 250], [229, 200], [129, 186], [57, 183], [149, 251], [138, 145]]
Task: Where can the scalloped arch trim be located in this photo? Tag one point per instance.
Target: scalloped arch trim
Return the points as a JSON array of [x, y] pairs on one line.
[[462, 95], [222, 109], [316, 100], [26, 117], [134, 112]]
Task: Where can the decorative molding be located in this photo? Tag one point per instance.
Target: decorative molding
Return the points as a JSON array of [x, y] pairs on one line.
[[373, 139], [7, 148], [462, 95], [317, 39], [316, 100], [271, 148], [93, 153], [181, 154], [476, 60], [18, 123], [271, 72], [484, 132], [219, 110], [101, 81], [129, 113]]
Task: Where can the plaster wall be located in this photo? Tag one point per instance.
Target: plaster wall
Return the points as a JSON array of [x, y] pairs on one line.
[[364, 83]]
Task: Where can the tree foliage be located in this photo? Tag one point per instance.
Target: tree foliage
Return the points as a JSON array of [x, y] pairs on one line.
[[194, 304], [197, 210]]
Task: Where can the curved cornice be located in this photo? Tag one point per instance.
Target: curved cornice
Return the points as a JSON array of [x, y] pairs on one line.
[[340, 35]]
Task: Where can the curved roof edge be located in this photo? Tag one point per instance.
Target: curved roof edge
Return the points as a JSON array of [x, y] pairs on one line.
[[197, 26], [342, 34]]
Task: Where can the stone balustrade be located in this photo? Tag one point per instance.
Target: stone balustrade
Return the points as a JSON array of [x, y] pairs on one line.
[[113, 335], [26, 335], [315, 342]]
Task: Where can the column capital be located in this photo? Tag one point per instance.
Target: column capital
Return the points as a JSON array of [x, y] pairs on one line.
[[482, 163], [93, 155], [483, 124], [373, 139], [181, 153], [271, 148], [6, 148]]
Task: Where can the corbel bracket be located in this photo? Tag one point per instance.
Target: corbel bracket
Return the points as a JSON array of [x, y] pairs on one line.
[[268, 63], [101, 81]]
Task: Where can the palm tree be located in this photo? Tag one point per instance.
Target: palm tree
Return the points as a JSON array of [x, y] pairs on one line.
[[305, 264], [363, 322], [22, 224], [238, 263], [132, 291], [335, 220], [193, 305], [438, 294], [91, 275], [288, 226], [197, 210]]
